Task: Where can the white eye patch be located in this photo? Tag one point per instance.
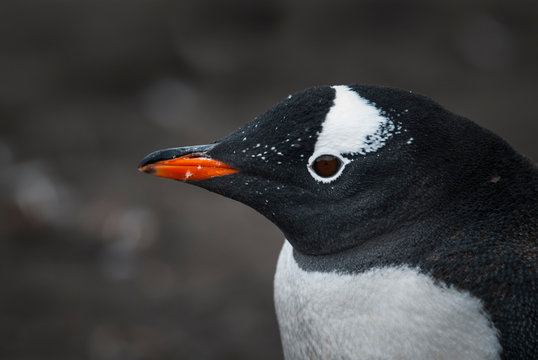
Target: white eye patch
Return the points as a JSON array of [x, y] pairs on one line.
[[352, 126]]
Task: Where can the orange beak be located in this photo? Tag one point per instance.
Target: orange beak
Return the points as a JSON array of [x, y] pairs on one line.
[[191, 167]]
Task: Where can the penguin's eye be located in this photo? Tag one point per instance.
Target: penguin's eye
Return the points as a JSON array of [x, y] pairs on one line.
[[326, 165]]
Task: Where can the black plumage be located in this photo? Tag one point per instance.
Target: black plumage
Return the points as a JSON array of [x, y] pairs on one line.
[[442, 194]]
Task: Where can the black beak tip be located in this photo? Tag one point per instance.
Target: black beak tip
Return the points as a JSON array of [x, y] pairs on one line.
[[160, 155], [149, 159]]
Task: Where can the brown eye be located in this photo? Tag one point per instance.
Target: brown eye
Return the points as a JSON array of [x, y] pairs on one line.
[[326, 165]]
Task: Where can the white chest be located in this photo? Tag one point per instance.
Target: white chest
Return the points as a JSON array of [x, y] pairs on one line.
[[384, 313]]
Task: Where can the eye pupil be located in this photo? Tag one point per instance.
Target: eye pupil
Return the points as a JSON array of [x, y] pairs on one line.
[[326, 165]]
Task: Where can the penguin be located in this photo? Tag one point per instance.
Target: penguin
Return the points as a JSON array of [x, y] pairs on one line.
[[410, 231]]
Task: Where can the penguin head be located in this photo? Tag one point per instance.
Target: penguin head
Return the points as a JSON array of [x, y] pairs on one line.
[[336, 166]]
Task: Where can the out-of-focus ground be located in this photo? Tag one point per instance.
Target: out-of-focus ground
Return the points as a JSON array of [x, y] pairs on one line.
[[99, 261]]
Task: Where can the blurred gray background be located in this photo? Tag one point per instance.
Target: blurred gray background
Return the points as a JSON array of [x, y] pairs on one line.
[[99, 261]]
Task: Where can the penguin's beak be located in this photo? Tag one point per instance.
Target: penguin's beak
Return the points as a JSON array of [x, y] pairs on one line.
[[189, 163]]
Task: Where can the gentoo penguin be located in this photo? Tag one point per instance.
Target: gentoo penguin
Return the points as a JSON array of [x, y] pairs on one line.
[[410, 231]]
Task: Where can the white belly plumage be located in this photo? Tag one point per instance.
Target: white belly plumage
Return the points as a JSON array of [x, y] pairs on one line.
[[383, 313]]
